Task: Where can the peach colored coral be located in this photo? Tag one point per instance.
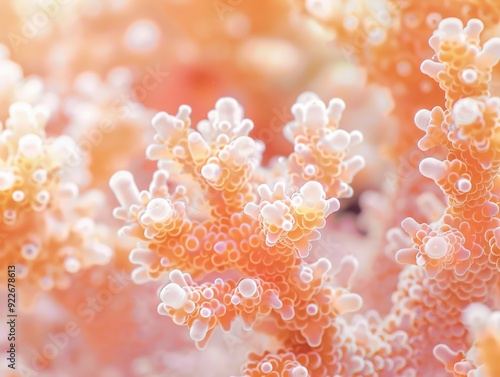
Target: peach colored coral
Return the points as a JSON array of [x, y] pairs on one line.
[[244, 234]]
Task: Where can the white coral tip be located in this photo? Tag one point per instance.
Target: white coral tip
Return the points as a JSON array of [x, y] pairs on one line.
[[450, 27], [475, 316], [123, 185], [159, 210], [422, 119], [431, 68], [300, 371], [211, 172], [466, 111], [312, 192], [315, 115], [348, 303], [337, 140], [468, 76], [336, 107], [173, 295], [247, 287], [490, 54], [198, 330], [31, 146], [436, 247], [7, 180], [463, 185], [432, 168]]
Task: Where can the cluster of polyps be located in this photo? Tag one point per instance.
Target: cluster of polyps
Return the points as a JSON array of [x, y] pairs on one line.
[[482, 358], [51, 232], [443, 247], [264, 240], [294, 219], [321, 148], [463, 69], [204, 307], [456, 251]]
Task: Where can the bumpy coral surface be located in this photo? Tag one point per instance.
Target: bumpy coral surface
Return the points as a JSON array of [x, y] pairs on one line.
[[353, 233]]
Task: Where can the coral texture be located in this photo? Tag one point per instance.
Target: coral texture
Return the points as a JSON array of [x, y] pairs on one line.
[[353, 237]]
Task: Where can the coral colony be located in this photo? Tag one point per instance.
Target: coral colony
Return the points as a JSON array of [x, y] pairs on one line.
[[356, 235]]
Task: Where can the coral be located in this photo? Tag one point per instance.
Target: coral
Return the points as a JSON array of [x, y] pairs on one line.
[[49, 227], [266, 243], [455, 250], [355, 237]]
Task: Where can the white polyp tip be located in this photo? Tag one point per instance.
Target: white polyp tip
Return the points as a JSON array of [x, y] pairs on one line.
[[464, 185], [243, 148], [436, 247], [422, 119], [431, 68], [31, 146], [475, 316], [142, 35], [300, 148], [466, 111], [30, 251], [312, 192], [339, 140], [312, 309], [474, 27], [40, 176], [300, 371], [18, 195], [349, 302], [211, 171], [450, 27], [159, 210], [123, 186], [43, 197], [173, 295], [490, 54], [226, 105], [310, 170], [312, 188], [319, 8], [205, 312], [198, 330], [266, 367], [247, 287], [7, 180], [208, 293], [19, 110], [120, 179], [333, 205], [220, 247], [179, 151], [287, 225], [194, 137], [432, 168], [315, 115], [468, 76], [72, 265], [336, 107]]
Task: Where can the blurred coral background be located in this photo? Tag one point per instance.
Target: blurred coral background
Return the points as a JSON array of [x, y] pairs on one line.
[[326, 204]]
